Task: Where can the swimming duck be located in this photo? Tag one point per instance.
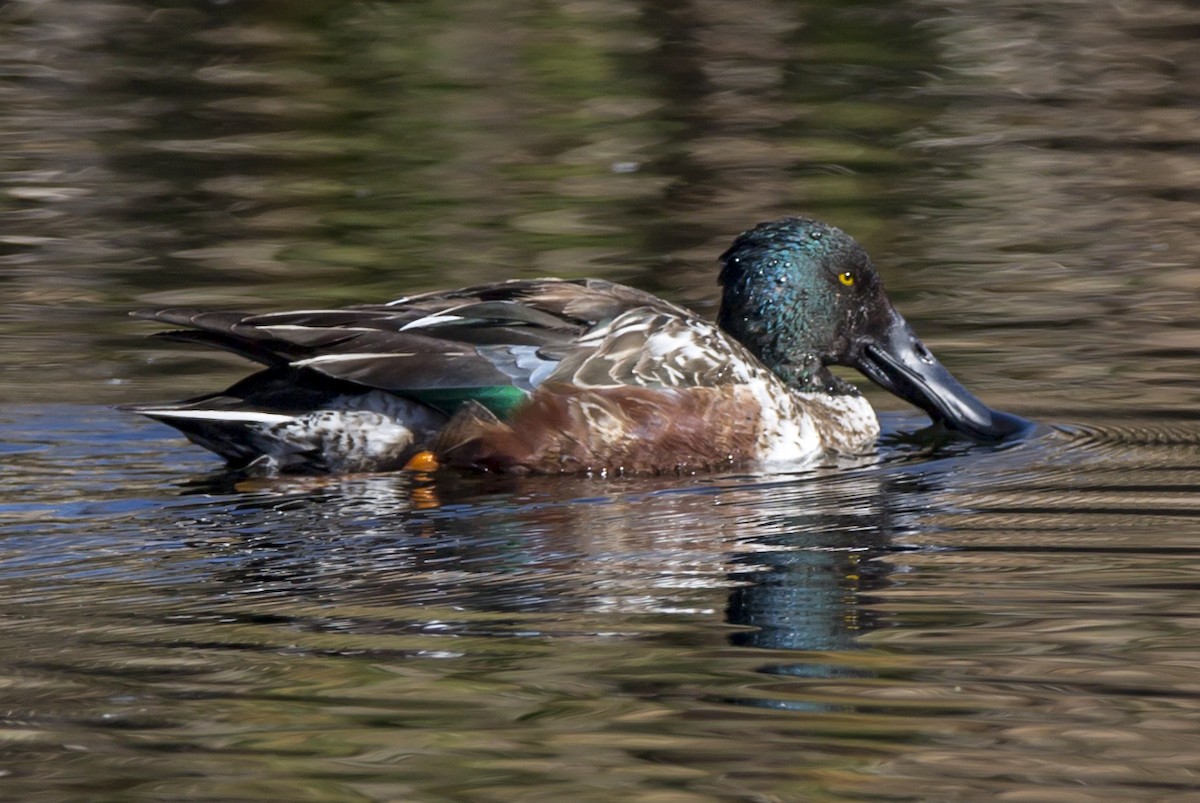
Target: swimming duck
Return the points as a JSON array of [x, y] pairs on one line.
[[578, 376]]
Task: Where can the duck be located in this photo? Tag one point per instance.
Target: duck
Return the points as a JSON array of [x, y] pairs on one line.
[[578, 376]]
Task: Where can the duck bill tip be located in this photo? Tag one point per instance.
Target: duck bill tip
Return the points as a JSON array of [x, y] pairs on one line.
[[900, 363]]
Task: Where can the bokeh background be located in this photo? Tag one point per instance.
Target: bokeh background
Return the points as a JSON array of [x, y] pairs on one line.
[[950, 623], [1024, 173]]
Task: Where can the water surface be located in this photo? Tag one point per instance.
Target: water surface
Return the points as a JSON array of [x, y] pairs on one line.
[[950, 623]]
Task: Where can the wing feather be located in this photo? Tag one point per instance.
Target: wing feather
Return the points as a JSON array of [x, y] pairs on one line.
[[515, 334]]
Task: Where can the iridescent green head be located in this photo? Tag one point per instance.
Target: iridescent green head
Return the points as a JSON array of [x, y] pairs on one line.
[[803, 295], [793, 289]]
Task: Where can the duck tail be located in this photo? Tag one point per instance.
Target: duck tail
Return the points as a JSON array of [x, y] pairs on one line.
[[370, 432], [241, 437]]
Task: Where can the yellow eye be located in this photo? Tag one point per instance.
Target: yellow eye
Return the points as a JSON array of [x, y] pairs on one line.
[[846, 278]]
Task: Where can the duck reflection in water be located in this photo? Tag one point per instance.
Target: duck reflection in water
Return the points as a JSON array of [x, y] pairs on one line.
[[786, 559]]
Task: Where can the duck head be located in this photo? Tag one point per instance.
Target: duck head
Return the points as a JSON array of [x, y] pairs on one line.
[[803, 295]]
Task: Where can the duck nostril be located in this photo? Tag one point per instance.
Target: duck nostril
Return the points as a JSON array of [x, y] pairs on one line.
[[922, 352]]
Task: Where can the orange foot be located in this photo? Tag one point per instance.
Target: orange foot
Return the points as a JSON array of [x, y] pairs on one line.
[[424, 461]]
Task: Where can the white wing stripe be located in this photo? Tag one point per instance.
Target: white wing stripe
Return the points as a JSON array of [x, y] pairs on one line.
[[328, 358], [295, 327], [430, 320], [220, 415], [289, 313]]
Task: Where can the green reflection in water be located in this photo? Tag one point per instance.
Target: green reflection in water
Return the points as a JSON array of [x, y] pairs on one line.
[[343, 152]]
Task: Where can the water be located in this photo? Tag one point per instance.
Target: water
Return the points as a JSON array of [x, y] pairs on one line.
[[942, 624]]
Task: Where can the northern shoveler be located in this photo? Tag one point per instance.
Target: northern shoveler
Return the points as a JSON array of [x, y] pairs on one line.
[[556, 376]]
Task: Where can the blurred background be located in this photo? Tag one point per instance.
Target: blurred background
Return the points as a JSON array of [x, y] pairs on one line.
[[1025, 174]]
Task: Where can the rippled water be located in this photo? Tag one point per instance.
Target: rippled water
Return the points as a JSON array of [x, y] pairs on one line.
[[946, 623], [1015, 622]]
